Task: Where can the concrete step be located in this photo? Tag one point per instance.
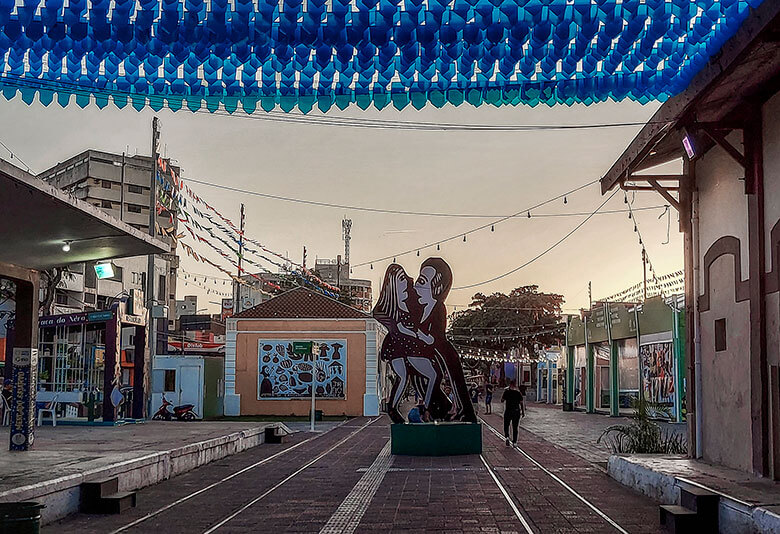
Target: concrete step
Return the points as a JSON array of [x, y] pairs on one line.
[[678, 520], [705, 503], [93, 491], [117, 503]]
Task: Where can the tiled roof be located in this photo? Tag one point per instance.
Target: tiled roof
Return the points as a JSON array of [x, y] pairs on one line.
[[301, 303]]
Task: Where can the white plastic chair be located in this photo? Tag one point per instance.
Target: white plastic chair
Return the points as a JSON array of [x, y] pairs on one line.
[[51, 409], [6, 412]]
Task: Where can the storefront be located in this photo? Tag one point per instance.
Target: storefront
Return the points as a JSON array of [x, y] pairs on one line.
[[548, 386], [86, 361], [613, 361]]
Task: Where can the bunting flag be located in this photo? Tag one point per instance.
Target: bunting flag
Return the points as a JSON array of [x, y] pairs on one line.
[[269, 54]]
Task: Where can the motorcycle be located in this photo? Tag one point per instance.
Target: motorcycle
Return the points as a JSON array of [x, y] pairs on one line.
[[183, 412]]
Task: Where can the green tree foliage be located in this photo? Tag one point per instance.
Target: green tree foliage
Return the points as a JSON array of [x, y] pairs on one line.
[[498, 321]]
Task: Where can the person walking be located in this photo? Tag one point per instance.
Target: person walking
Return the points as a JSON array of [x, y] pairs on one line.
[[488, 397], [513, 406], [474, 392]]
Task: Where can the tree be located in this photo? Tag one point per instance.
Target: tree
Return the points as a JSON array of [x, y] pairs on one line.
[[50, 279], [525, 318]]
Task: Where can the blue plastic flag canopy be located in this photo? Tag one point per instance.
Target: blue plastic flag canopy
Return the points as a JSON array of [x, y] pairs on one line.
[[259, 54]]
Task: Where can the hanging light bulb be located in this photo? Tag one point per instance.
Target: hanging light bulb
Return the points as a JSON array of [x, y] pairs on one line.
[[529, 214], [464, 238], [625, 198], [418, 253], [565, 201], [438, 247], [372, 266], [634, 228], [492, 227], [629, 214]]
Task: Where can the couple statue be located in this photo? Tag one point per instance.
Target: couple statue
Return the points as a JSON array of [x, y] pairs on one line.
[[416, 346]]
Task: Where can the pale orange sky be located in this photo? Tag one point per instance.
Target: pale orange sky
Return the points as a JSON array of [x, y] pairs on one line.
[[472, 172]]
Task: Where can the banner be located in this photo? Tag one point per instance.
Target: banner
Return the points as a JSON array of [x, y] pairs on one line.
[[282, 374], [658, 372]]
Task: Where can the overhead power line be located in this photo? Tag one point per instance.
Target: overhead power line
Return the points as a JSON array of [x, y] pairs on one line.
[[300, 118], [395, 211], [548, 249]]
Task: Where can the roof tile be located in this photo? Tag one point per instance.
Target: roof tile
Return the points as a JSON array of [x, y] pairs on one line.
[[302, 303]]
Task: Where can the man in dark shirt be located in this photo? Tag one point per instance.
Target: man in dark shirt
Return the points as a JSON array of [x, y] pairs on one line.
[[513, 405]]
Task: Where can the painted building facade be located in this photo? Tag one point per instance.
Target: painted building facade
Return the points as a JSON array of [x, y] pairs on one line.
[[264, 375], [723, 135]]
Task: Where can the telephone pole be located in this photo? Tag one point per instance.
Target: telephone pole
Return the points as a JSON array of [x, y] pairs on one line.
[[236, 285], [150, 297]]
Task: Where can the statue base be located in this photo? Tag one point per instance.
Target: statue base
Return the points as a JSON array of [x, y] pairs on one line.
[[436, 439]]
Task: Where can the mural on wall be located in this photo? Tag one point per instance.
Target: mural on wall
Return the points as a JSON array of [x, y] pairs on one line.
[[658, 372], [284, 375], [416, 347]]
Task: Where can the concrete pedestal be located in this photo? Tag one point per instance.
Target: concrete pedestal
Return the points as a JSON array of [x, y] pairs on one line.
[[436, 439]]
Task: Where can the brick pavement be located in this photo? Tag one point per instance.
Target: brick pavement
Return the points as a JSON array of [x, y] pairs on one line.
[[417, 494]]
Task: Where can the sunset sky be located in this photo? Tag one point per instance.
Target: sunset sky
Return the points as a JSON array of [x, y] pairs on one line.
[[477, 172]]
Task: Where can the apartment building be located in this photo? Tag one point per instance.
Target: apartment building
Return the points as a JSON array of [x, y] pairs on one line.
[[119, 185]]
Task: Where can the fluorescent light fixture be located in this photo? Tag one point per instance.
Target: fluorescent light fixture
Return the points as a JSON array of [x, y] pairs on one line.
[[687, 142], [104, 270]]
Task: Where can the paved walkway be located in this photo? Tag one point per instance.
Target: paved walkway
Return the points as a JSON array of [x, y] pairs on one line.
[[576, 431], [345, 481]]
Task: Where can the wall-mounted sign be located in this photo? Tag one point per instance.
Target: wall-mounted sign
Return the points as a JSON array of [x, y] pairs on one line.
[[24, 382], [104, 270]]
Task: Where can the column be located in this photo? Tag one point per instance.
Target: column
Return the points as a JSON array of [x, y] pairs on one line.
[[25, 364], [110, 373], [139, 373], [570, 375], [614, 385], [590, 404]]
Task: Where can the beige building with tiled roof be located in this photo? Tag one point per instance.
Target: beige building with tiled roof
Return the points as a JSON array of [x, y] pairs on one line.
[[263, 375]]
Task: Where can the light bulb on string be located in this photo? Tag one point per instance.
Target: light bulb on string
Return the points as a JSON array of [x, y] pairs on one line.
[[464, 238], [438, 247], [565, 201], [418, 253], [372, 266], [492, 227], [529, 214]]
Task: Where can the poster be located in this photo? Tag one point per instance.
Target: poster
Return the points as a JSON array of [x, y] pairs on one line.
[[658, 372], [285, 375]]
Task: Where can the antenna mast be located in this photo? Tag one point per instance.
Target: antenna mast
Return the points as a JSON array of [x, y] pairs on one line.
[[346, 227]]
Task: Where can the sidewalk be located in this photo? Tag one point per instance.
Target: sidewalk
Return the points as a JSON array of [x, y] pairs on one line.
[[577, 432], [143, 454]]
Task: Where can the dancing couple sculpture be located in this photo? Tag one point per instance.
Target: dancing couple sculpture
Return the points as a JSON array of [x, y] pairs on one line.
[[416, 346]]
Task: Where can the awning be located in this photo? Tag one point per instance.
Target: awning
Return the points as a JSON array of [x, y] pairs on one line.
[[37, 219]]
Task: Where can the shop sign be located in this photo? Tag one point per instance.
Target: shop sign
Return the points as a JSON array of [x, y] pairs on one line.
[[76, 318], [25, 367]]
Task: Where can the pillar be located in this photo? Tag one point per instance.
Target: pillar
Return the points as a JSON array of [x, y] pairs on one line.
[[590, 395], [614, 379], [570, 375], [25, 363], [111, 374], [139, 373]]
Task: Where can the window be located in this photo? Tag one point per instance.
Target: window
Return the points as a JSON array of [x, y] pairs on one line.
[[60, 297], [170, 380], [720, 335], [135, 189], [105, 184], [134, 208], [117, 274], [101, 302], [89, 298], [106, 204], [90, 278], [161, 288]]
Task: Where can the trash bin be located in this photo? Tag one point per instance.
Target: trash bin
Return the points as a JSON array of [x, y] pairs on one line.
[[20, 517], [317, 415]]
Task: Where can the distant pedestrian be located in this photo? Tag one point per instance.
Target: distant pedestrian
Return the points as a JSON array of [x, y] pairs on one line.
[[474, 392], [522, 389], [513, 407], [488, 398]]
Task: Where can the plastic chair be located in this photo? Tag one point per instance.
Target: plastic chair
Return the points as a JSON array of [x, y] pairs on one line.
[[6, 412], [51, 409]]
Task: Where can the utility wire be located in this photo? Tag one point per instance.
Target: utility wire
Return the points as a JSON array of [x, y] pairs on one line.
[[397, 212], [300, 118], [15, 155], [482, 227], [548, 249]]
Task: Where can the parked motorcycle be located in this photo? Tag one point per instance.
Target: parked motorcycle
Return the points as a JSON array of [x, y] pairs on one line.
[[184, 412]]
